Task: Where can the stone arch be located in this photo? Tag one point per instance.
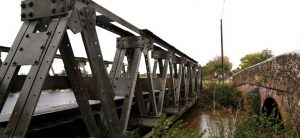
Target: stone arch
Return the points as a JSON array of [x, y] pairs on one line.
[[271, 109]]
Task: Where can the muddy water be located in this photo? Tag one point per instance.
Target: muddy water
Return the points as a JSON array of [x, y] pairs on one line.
[[199, 119]]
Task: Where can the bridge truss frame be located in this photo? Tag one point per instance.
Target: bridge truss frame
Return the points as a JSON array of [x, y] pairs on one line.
[[43, 33]]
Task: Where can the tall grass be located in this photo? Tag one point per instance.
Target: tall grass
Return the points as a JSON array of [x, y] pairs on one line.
[[221, 94]]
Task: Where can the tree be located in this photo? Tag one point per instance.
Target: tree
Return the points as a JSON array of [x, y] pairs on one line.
[[254, 58], [236, 70], [215, 66]]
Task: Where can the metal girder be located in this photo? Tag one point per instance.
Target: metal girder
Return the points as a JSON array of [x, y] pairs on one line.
[[187, 82], [172, 83], [104, 22], [164, 44], [134, 42], [171, 90], [180, 76], [32, 87], [162, 85], [113, 17], [140, 100], [91, 44], [152, 97], [78, 86], [6, 49], [7, 69], [161, 54], [131, 85], [127, 85]]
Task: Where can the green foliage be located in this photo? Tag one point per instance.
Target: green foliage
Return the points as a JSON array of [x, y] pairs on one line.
[[245, 125], [215, 66], [164, 128], [254, 58], [236, 70], [259, 126], [224, 94]]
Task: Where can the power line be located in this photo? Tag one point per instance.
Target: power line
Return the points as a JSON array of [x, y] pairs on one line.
[[223, 7]]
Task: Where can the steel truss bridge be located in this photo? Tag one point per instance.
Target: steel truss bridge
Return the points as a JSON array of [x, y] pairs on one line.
[[128, 100]]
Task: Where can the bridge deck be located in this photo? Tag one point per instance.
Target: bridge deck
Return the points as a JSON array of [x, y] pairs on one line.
[[49, 102]]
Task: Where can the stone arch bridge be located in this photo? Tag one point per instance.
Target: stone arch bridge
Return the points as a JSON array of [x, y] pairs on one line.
[[272, 85]]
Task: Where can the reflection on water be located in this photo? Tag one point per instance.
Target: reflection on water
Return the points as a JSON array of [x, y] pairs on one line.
[[198, 119]]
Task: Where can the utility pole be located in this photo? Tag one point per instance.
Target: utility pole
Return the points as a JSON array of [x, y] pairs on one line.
[[222, 52]]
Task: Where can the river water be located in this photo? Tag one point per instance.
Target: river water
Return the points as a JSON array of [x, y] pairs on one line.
[[199, 119]]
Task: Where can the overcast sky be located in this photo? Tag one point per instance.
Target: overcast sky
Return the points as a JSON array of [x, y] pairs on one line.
[[192, 26]]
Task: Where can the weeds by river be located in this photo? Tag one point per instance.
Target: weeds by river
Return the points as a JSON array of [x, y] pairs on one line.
[[231, 122], [218, 95]]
